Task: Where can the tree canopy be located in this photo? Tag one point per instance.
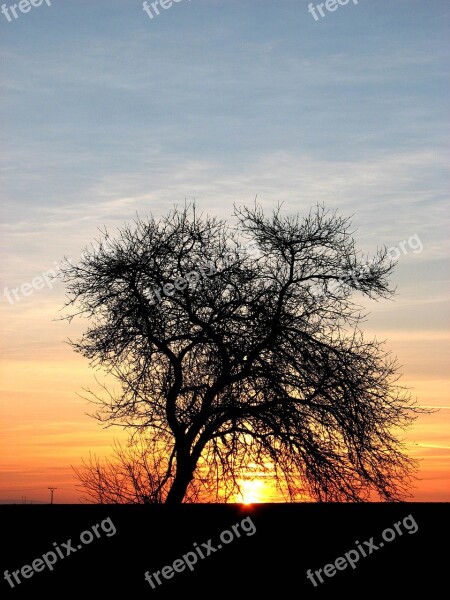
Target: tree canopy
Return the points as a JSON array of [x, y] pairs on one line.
[[228, 357]]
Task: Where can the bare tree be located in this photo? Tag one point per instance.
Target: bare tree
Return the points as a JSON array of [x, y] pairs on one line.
[[137, 473], [229, 358]]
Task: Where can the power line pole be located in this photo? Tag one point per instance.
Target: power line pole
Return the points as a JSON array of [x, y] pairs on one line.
[[52, 489]]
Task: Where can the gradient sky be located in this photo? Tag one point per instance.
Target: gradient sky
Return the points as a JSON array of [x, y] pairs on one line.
[[105, 113]]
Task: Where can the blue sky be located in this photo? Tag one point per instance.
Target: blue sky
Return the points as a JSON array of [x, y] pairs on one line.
[[105, 112]]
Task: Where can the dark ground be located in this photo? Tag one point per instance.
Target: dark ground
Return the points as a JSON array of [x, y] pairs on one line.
[[289, 540]]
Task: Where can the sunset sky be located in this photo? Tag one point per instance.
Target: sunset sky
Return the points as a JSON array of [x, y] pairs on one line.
[[106, 113]]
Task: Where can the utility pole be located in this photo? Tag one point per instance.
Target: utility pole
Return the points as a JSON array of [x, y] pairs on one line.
[[52, 489]]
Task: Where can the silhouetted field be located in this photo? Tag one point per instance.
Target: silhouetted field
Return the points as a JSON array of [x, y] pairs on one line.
[[266, 555]]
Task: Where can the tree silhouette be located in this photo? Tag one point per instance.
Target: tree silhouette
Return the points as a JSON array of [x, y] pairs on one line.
[[138, 472], [135, 476], [227, 358]]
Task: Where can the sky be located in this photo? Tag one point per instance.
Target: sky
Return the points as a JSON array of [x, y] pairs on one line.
[[106, 112]]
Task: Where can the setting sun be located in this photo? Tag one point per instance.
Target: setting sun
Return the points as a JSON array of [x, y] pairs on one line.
[[252, 490]]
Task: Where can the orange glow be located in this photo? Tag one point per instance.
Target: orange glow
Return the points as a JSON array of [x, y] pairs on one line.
[[45, 429], [252, 491]]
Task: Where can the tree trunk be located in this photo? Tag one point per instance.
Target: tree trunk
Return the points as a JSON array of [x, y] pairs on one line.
[[177, 491], [183, 478]]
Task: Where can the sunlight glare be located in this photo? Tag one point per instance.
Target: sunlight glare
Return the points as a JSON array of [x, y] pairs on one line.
[[251, 491]]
